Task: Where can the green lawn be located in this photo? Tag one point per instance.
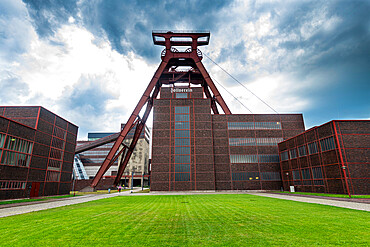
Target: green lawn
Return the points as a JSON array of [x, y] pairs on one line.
[[188, 220], [324, 194]]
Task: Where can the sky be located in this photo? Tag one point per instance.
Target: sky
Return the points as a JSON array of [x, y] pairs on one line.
[[89, 61]]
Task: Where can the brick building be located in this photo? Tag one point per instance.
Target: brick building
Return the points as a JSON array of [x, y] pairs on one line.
[[196, 150], [329, 158], [36, 152]]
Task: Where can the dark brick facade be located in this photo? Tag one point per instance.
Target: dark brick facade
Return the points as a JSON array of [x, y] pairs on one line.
[[340, 144], [53, 141], [214, 163]]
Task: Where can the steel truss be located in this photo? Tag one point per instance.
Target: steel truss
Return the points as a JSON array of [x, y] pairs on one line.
[[170, 71]]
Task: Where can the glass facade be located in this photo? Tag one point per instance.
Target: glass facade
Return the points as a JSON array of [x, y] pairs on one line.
[[182, 142], [254, 141], [327, 144]]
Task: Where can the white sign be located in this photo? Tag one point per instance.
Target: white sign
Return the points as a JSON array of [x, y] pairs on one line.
[[292, 189], [181, 90]]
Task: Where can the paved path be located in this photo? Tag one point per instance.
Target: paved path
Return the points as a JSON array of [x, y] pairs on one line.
[[9, 211], [330, 202]]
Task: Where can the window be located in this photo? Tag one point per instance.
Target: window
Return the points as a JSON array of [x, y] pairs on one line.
[[243, 158], [18, 151], [296, 175], [267, 125], [302, 151], [253, 125], [327, 144], [240, 125], [254, 141], [271, 176], [12, 185], [245, 176], [54, 165], [182, 150], [182, 109], [182, 176], [306, 174], [2, 139], [182, 117], [242, 141], [284, 155], [182, 133], [312, 148], [58, 132], [182, 142], [182, 167], [268, 158], [181, 95], [18, 145], [293, 153]]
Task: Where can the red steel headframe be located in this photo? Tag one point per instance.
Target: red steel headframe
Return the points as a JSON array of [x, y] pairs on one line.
[[171, 58]]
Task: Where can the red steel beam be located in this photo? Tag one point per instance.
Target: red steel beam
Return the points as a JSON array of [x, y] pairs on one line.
[[143, 100], [210, 84], [213, 103], [137, 134]]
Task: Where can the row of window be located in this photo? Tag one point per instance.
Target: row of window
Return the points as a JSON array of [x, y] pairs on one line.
[[15, 159], [254, 141], [265, 176], [253, 125], [312, 148], [307, 176], [181, 95], [11, 185], [15, 144], [253, 158]]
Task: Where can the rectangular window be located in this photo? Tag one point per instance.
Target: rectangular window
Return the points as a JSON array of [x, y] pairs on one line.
[[181, 95], [293, 153], [240, 125], [254, 141], [268, 158], [182, 167], [15, 159], [182, 109], [182, 159], [182, 150], [61, 133], [57, 143], [302, 151], [271, 176], [2, 139], [312, 148], [284, 155], [245, 176], [182, 142], [182, 177], [18, 145], [12, 185], [268, 125], [182, 117], [54, 165], [242, 141], [235, 159], [182, 125], [182, 133], [296, 175], [327, 144], [56, 153], [306, 174]]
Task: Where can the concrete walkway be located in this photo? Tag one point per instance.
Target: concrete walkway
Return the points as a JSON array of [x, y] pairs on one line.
[[42, 205], [328, 201]]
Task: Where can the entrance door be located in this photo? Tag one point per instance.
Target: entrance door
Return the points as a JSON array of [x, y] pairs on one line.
[[35, 189]]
